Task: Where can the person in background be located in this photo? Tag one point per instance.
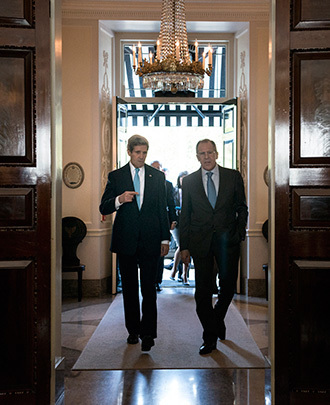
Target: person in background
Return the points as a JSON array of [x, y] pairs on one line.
[[212, 225], [140, 234], [172, 217], [183, 272]]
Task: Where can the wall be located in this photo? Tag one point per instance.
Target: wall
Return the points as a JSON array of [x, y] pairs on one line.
[[82, 144], [257, 156], [82, 123]]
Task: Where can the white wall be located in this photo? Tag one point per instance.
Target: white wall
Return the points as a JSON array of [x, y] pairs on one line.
[[252, 87], [258, 148], [82, 140], [83, 45]]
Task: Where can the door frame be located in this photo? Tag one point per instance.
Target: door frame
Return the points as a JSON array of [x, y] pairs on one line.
[[116, 100]]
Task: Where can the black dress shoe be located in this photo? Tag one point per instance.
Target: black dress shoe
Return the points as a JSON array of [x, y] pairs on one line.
[[132, 339], [158, 288], [147, 343], [222, 331], [207, 348]]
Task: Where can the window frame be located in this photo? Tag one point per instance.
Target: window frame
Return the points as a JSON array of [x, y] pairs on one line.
[[122, 39]]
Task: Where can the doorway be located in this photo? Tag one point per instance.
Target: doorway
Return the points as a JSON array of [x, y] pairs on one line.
[[173, 127]]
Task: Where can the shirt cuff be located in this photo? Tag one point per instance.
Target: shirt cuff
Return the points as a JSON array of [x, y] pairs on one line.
[[117, 203], [165, 242]]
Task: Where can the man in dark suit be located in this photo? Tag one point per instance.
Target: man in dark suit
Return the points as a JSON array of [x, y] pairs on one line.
[[172, 217], [140, 234], [212, 225]]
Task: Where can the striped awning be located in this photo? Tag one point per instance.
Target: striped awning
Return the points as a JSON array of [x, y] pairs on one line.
[[162, 115]]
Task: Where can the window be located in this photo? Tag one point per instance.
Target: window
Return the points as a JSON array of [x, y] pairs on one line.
[[214, 85]]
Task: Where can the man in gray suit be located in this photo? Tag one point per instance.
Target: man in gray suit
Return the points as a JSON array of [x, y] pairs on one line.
[[212, 225], [140, 234]]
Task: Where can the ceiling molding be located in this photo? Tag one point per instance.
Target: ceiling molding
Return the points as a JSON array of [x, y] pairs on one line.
[[133, 10]]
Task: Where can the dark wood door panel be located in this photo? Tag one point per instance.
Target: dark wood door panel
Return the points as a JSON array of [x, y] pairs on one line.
[[302, 202], [311, 208], [18, 343], [17, 207], [18, 248], [311, 108], [309, 333], [310, 14], [17, 13], [306, 244], [25, 200], [16, 107]]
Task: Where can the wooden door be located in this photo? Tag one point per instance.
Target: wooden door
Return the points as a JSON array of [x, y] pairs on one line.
[[300, 220], [25, 193]]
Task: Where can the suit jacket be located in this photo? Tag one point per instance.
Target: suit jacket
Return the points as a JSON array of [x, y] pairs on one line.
[[199, 221], [170, 202], [146, 227]]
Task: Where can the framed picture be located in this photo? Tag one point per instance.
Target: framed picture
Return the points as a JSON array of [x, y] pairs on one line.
[[73, 175]]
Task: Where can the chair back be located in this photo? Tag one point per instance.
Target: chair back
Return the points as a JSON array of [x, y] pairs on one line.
[[73, 232]]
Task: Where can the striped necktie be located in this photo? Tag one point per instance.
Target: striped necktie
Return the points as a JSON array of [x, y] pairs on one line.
[[211, 193]]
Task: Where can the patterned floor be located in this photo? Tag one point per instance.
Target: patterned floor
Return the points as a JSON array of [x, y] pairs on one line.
[[160, 387]]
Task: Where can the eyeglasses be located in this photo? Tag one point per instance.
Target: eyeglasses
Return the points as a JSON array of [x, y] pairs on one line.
[[206, 154]]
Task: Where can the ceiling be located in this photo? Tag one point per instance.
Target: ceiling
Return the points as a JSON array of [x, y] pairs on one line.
[[192, 26]]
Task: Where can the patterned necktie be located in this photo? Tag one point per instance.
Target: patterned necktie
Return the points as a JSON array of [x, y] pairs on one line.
[[137, 186], [211, 193]]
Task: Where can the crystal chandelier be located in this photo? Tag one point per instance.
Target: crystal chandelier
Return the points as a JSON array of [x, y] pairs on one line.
[[172, 70]]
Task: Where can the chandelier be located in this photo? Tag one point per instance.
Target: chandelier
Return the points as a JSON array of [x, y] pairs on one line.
[[171, 68]]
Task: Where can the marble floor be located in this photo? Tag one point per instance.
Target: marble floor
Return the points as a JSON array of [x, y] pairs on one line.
[[161, 387]]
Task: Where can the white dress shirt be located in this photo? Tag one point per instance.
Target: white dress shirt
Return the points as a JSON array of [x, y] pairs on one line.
[[141, 175], [215, 178]]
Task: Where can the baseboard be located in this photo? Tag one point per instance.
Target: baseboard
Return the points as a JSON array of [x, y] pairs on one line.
[[90, 288], [256, 288]]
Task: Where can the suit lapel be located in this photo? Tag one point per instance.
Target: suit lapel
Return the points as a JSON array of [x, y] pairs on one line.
[[148, 182], [222, 186], [200, 190], [127, 181], [127, 178]]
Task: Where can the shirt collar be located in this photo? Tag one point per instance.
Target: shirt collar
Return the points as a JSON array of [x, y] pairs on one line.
[[215, 170], [132, 168]]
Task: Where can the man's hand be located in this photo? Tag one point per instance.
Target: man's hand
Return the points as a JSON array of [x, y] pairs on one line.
[[164, 248], [173, 225], [185, 256], [128, 196]]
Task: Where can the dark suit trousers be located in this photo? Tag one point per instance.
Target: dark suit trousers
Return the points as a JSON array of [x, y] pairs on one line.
[[160, 270], [226, 258], [128, 265]]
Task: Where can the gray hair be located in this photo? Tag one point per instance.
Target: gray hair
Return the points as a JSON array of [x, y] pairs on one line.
[[136, 140], [205, 141]]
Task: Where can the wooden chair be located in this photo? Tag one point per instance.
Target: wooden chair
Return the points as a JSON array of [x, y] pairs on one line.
[[73, 232]]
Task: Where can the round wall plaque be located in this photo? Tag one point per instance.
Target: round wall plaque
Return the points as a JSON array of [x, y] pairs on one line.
[[73, 175]]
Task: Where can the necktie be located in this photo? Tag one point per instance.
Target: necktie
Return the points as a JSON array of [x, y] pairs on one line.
[[211, 193], [136, 183]]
